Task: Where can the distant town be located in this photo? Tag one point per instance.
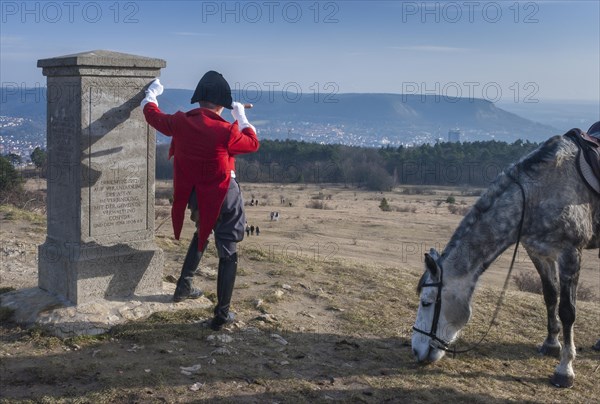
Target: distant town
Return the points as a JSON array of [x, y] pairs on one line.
[[354, 134], [365, 120], [19, 142], [23, 142]]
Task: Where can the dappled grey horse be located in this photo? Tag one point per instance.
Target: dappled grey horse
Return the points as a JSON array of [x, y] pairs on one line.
[[544, 199]]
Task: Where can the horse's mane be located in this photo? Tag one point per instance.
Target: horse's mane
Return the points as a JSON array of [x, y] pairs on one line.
[[528, 165]]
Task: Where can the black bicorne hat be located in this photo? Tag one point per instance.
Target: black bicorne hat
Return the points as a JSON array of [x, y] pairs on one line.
[[213, 87]]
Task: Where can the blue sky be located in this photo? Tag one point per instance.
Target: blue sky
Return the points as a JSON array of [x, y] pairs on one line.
[[499, 50]]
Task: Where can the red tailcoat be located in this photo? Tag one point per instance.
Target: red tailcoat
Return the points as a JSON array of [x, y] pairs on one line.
[[203, 145]]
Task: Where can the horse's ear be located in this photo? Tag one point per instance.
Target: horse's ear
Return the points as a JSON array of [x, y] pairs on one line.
[[430, 264]]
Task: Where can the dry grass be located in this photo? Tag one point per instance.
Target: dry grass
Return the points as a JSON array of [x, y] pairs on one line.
[[346, 314], [12, 213], [361, 353]]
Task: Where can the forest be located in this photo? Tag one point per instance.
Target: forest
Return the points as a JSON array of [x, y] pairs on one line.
[[446, 164]]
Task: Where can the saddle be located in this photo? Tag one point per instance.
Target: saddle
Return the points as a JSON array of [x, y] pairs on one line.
[[588, 158]]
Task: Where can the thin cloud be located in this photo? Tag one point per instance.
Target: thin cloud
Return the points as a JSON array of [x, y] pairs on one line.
[[11, 40], [193, 34], [430, 48]]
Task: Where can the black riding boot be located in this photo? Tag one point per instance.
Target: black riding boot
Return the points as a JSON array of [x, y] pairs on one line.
[[184, 289], [225, 283]]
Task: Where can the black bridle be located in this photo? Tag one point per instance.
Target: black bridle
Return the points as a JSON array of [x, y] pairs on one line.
[[436, 313], [438, 299]]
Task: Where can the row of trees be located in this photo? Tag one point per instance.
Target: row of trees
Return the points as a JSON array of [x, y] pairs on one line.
[[288, 161], [39, 158], [453, 164], [10, 179]]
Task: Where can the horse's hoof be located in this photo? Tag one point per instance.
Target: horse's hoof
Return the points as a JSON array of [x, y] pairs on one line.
[[549, 350], [597, 346], [559, 380]]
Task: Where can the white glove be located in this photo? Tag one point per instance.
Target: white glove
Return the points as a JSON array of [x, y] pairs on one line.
[[239, 114], [154, 90]]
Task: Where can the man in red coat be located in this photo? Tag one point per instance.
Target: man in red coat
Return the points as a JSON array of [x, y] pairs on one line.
[[203, 146]]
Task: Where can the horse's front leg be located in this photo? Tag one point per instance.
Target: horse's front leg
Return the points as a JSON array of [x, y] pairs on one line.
[[569, 261], [548, 271]]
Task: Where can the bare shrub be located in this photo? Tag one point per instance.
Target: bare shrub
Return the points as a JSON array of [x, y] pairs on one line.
[[531, 282], [318, 204], [405, 209], [586, 294], [33, 201], [458, 210], [528, 282]]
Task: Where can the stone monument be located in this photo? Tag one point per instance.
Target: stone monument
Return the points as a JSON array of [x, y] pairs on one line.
[[101, 157]]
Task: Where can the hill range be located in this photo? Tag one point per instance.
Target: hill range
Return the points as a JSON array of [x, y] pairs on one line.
[[372, 120], [376, 119]]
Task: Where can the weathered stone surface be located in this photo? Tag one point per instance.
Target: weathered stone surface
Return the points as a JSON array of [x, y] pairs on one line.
[[60, 317], [102, 63], [100, 240]]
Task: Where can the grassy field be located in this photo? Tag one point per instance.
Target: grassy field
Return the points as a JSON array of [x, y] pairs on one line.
[[325, 299]]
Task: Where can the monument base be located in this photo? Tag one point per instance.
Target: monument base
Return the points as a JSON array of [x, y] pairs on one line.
[[36, 307], [86, 272]]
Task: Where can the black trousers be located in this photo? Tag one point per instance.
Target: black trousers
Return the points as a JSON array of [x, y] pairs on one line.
[[231, 223]]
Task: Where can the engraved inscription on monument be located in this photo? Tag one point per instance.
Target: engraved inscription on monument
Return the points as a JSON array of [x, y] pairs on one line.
[[121, 205], [119, 152]]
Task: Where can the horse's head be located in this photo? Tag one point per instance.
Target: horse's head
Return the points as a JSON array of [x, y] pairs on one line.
[[443, 311]]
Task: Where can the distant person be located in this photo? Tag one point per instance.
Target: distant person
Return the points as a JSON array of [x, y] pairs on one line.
[[257, 231], [204, 146], [252, 230], [272, 215], [248, 230]]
